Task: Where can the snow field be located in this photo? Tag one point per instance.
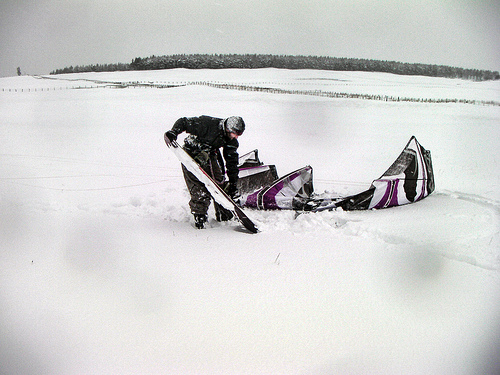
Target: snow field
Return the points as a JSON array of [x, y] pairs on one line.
[[102, 270]]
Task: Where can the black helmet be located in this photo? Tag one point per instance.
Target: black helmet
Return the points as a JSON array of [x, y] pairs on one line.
[[235, 124]]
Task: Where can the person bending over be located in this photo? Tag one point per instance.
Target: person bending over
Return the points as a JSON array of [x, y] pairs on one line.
[[207, 135]]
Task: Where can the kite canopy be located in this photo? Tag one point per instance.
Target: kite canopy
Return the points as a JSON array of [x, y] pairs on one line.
[[291, 192], [408, 179]]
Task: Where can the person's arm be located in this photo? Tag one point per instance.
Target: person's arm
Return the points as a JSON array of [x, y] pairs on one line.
[[230, 152], [179, 126]]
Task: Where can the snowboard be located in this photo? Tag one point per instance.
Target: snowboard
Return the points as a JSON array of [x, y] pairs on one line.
[[219, 195]]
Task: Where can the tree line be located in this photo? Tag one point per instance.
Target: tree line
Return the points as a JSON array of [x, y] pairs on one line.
[[256, 61]]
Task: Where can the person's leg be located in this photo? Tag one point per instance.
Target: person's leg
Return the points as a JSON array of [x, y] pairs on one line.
[[200, 198], [216, 171]]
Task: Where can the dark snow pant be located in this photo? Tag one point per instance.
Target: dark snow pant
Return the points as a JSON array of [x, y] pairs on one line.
[[200, 197]]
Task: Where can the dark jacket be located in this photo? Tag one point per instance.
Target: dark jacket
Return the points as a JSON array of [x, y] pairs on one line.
[[209, 136]]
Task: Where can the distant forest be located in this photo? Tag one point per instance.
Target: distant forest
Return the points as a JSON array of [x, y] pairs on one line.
[[255, 61]]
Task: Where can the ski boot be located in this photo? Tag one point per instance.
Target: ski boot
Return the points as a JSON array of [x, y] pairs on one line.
[[221, 214], [200, 220]]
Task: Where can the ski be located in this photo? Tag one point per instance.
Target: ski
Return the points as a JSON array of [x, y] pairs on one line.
[[219, 195]]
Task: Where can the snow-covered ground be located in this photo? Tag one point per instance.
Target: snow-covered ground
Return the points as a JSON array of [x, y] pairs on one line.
[[102, 272]]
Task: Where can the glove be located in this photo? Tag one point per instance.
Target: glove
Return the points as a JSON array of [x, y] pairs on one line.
[[170, 136], [202, 158], [231, 189]]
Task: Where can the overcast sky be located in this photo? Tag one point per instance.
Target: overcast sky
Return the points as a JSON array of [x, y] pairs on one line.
[[40, 36]]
